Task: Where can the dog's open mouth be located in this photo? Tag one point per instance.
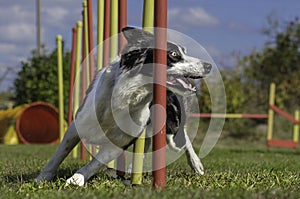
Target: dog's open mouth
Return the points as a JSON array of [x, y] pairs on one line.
[[180, 84]]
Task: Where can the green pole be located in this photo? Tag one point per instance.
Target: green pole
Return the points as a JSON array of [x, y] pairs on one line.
[[139, 145], [60, 86], [86, 42], [77, 79], [113, 29], [100, 31]]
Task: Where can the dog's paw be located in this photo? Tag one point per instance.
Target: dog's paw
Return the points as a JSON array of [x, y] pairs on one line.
[[196, 165], [76, 179], [129, 168]]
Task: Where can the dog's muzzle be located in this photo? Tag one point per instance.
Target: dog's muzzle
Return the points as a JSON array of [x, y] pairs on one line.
[[180, 83]]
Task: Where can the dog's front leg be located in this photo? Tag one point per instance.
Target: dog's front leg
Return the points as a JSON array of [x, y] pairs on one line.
[[192, 158], [70, 140], [105, 155]]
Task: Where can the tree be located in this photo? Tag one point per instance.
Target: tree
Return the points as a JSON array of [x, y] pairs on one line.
[[278, 62], [38, 81], [247, 83]]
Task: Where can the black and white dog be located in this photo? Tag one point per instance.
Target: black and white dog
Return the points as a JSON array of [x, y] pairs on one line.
[[116, 108]]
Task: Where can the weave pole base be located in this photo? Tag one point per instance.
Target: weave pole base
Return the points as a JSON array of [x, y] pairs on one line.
[[282, 143]]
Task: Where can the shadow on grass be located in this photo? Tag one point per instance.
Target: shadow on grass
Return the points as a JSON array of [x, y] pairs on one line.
[[29, 177]]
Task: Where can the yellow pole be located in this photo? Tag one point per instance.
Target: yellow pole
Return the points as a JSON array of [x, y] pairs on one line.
[[113, 29], [296, 127], [271, 112], [139, 145], [77, 68], [60, 86], [100, 34], [86, 42], [138, 160], [77, 79], [148, 15], [113, 43]]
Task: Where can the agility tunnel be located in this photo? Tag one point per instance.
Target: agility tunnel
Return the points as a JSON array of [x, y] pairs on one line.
[[35, 123]]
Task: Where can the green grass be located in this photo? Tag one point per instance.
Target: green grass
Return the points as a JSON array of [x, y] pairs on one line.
[[231, 172]]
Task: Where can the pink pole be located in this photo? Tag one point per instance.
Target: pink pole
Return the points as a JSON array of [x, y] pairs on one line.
[[72, 75], [122, 22], [91, 38], [106, 33], [159, 94]]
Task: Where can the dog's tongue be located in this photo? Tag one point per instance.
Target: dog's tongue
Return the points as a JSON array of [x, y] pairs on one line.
[[185, 85]]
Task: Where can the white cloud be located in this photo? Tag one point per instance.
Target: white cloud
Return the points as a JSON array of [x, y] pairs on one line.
[[7, 47], [54, 16], [15, 13], [197, 17], [18, 32]]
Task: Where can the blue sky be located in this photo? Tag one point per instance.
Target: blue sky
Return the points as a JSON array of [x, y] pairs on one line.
[[221, 26]]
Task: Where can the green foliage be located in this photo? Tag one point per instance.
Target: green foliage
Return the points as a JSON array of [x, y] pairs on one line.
[[38, 80], [5, 98], [278, 62], [247, 84]]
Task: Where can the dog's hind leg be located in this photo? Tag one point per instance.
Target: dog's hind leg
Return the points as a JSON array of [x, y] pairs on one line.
[[106, 154], [70, 140], [192, 158]]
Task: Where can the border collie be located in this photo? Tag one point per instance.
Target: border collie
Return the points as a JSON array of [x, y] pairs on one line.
[[117, 106]]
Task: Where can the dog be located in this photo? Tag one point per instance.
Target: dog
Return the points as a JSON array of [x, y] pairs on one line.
[[116, 108]]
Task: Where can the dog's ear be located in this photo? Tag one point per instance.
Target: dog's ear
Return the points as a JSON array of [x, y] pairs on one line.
[[134, 35]]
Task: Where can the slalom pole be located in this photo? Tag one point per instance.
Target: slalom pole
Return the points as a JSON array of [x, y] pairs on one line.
[[106, 33], [77, 82], [122, 22], [106, 47], [72, 75], [296, 127], [86, 42], [159, 94], [90, 53], [271, 112], [100, 31], [148, 15], [91, 39], [84, 74], [113, 42], [60, 86], [122, 18], [113, 29], [139, 145]]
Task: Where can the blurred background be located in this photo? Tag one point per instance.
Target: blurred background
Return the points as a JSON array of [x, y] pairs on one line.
[[253, 44]]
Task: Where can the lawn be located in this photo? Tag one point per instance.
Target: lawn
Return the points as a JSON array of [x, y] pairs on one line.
[[232, 171]]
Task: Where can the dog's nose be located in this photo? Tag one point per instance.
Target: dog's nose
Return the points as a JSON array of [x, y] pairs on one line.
[[207, 67]]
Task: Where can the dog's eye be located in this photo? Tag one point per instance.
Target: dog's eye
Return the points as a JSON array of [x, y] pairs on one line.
[[174, 54]]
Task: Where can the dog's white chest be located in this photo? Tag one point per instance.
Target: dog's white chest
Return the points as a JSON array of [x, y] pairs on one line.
[[114, 110]]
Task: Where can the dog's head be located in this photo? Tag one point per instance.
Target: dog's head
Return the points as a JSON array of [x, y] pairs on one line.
[[138, 54]]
